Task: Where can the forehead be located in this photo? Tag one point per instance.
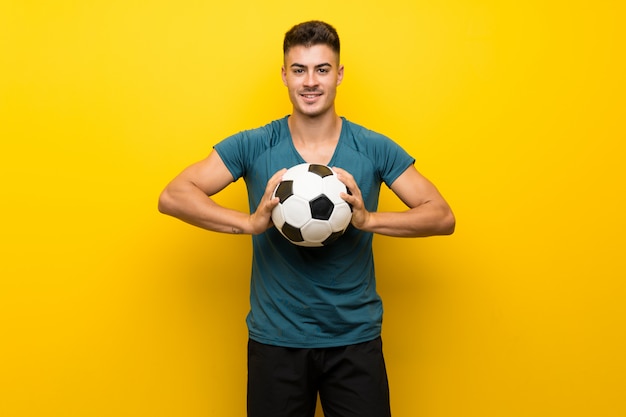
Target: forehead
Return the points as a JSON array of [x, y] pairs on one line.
[[310, 55]]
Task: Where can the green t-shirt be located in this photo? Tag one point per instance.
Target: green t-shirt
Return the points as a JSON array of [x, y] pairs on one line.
[[321, 296]]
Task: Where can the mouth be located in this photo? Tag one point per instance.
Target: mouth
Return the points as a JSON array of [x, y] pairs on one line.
[[310, 97]]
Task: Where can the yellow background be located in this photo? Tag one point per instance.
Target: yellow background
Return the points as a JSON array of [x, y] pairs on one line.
[[516, 110]]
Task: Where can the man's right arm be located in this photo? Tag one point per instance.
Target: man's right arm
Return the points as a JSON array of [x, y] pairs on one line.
[[188, 198]]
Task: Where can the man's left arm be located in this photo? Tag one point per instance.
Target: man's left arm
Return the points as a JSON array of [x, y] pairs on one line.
[[427, 214]]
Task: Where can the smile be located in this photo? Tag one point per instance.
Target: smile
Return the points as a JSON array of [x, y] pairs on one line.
[[310, 98]]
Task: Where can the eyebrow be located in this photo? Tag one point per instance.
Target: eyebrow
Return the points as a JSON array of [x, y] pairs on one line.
[[296, 65]]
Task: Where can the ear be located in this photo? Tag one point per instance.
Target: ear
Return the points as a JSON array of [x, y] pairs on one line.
[[283, 74], [339, 74]]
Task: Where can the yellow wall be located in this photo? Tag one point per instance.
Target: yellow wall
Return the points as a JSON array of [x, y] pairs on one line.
[[516, 110]]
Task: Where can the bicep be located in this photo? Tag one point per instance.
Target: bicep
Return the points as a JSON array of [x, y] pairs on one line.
[[210, 174], [414, 189]]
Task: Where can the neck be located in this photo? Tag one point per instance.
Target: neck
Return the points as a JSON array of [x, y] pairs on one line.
[[320, 128], [315, 139]]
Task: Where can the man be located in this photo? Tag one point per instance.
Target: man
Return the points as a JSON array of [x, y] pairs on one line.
[[315, 318]]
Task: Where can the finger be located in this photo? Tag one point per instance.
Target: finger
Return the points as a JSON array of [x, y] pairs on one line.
[[274, 180], [268, 201], [278, 174], [341, 173], [348, 180], [354, 201], [345, 177]]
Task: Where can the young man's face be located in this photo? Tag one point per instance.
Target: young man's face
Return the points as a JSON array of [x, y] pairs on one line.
[[312, 75]]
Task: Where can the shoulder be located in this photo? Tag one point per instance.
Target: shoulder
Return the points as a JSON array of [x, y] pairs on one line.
[[255, 139], [240, 151], [360, 130], [365, 139], [272, 130], [386, 157]]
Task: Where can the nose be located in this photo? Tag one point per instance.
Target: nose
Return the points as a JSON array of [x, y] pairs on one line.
[[310, 80]]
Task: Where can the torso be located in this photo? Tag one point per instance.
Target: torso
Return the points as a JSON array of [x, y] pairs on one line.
[[313, 297]]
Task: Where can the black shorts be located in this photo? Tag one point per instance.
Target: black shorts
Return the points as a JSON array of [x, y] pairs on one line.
[[284, 382]]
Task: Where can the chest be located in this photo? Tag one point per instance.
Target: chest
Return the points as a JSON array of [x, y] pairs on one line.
[[317, 153]]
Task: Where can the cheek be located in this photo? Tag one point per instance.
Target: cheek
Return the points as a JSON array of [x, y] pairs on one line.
[[291, 84], [292, 89], [332, 87]]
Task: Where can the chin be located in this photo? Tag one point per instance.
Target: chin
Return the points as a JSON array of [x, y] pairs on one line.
[[312, 112]]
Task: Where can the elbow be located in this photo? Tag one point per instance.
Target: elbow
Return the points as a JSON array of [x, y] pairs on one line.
[[164, 204], [449, 224]]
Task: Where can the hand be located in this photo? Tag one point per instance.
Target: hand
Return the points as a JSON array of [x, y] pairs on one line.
[[261, 219], [360, 215]]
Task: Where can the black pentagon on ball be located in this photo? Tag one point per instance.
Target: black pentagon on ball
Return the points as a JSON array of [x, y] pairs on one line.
[[284, 190], [292, 233], [321, 170], [321, 207]]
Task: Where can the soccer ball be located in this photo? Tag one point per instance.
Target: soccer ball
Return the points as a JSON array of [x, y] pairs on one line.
[[310, 211]]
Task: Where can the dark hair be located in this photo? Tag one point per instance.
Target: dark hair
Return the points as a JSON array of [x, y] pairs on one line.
[[311, 33]]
